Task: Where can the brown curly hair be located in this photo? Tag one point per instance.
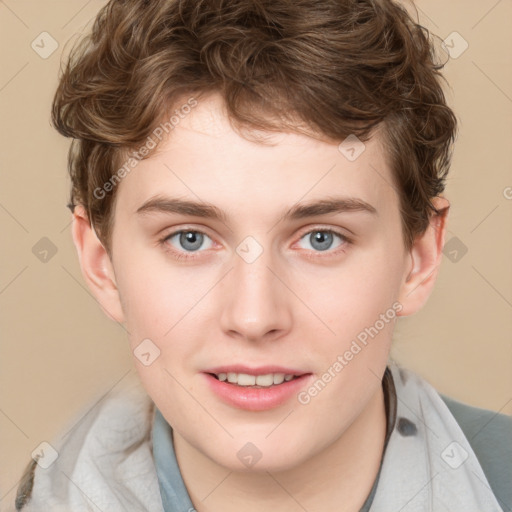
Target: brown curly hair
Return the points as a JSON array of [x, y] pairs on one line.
[[331, 67]]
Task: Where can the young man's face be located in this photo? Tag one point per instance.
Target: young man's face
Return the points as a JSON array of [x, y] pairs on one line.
[[265, 287]]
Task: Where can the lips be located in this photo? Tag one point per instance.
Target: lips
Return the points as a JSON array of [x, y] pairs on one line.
[[260, 370], [255, 389], [264, 376]]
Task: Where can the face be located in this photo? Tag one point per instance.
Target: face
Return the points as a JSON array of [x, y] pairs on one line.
[[236, 257]]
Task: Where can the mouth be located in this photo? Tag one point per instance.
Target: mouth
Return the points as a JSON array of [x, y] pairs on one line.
[[246, 380], [256, 389]]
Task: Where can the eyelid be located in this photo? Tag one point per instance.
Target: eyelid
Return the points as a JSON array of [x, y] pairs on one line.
[[329, 229], [169, 232], [310, 253], [190, 230], [304, 231], [178, 254]]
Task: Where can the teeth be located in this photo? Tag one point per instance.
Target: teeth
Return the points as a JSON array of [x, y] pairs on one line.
[[279, 377], [246, 380], [243, 379]]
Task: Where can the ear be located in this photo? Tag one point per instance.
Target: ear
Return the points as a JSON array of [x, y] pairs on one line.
[[426, 255], [96, 266]]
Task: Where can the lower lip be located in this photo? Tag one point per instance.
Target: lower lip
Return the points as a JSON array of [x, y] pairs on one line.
[[256, 399]]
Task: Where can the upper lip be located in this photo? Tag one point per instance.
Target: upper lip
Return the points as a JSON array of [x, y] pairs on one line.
[[260, 370]]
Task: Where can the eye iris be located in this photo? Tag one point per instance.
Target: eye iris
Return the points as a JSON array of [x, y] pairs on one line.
[[193, 239], [323, 240]]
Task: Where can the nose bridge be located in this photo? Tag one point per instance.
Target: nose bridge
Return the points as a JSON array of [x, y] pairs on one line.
[[256, 304]]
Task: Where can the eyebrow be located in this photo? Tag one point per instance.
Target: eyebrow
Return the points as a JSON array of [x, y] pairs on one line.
[[299, 211]]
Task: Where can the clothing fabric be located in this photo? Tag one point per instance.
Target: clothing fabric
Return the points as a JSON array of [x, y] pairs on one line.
[[490, 436], [429, 464], [107, 461]]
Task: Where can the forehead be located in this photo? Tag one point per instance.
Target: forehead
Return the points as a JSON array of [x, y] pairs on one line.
[[206, 159]]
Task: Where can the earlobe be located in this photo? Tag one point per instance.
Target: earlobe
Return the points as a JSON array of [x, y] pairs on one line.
[[96, 266], [426, 256]]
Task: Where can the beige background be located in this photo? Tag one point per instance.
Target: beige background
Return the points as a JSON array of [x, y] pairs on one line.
[[59, 353]]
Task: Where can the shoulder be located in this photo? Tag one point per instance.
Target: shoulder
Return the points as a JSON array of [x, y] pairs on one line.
[[101, 450], [490, 436]]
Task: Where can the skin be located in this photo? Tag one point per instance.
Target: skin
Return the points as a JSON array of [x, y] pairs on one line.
[[294, 305]]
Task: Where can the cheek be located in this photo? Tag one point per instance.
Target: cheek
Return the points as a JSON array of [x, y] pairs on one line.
[[359, 305], [353, 295], [166, 305], [156, 295]]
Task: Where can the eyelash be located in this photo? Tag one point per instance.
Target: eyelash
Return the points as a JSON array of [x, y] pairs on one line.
[[183, 255], [314, 255]]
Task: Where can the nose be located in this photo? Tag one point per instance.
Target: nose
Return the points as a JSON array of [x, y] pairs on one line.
[[256, 305]]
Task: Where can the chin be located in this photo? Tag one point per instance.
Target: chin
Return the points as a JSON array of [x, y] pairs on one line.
[[259, 457]]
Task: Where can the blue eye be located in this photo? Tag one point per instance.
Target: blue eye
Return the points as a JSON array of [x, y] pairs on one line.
[[184, 243], [189, 241], [323, 239]]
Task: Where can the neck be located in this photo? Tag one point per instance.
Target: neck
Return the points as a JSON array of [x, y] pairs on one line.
[[343, 473]]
